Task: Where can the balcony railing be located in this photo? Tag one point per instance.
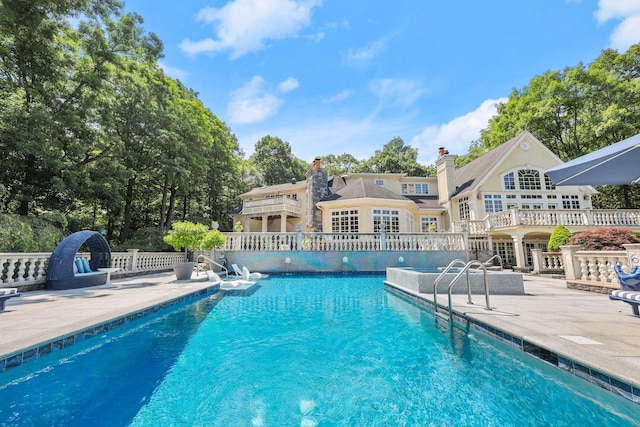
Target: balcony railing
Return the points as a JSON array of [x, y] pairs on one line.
[[270, 205], [262, 242], [552, 217]]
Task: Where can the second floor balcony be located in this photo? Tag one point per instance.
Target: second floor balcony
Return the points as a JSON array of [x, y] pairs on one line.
[[271, 205], [576, 219]]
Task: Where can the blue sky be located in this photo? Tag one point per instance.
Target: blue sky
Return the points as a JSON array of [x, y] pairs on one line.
[[347, 76]]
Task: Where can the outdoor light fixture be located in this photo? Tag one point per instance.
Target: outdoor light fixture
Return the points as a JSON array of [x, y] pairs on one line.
[[345, 259], [401, 260], [287, 260]]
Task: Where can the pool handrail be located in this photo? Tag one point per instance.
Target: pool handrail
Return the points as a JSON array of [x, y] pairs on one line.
[[440, 277], [498, 257], [222, 267], [465, 270]]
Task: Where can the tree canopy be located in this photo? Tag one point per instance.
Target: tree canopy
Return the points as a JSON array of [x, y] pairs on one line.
[[92, 128], [577, 110]]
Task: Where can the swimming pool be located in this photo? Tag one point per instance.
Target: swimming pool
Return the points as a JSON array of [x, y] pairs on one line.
[[304, 351]]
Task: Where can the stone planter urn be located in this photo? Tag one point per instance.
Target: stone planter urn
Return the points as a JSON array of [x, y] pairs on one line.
[[183, 270]]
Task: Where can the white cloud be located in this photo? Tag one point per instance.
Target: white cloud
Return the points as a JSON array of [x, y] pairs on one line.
[[365, 54], [244, 26], [252, 103], [288, 85], [173, 72], [616, 9], [456, 135], [338, 97], [396, 91], [626, 34], [628, 11]]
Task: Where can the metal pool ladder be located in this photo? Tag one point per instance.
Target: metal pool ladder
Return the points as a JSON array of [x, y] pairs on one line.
[[465, 270]]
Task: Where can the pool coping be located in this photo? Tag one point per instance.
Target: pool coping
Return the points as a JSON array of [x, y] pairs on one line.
[[549, 356], [32, 352]]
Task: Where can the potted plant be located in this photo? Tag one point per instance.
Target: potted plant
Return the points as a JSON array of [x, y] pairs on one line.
[[189, 236]]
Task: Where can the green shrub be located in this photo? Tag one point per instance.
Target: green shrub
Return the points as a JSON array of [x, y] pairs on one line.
[[604, 239], [22, 234], [560, 236]]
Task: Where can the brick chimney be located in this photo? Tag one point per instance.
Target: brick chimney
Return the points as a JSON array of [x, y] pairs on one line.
[[446, 175], [317, 189]]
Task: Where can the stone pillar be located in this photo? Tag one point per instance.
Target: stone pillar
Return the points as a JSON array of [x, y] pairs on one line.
[[283, 223], [299, 237], [536, 256], [265, 223], [134, 259], [633, 253], [570, 262]]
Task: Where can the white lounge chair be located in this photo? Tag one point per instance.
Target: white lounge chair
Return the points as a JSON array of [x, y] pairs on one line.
[[246, 274], [213, 277]]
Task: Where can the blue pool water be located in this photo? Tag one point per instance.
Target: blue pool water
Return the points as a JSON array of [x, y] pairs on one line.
[[301, 351]]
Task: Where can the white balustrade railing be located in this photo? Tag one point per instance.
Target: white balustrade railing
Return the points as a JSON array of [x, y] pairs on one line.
[[550, 218], [546, 262], [265, 242], [597, 267], [23, 269]]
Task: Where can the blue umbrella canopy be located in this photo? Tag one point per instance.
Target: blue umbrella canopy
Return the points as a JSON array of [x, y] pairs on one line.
[[618, 163]]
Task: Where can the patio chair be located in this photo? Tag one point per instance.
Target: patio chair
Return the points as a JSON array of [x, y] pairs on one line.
[[630, 288], [5, 294]]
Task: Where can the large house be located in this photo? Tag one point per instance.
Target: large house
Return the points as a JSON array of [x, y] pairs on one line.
[[503, 198]]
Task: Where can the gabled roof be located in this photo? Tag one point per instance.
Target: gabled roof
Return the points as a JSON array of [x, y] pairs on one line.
[[470, 174], [360, 189]]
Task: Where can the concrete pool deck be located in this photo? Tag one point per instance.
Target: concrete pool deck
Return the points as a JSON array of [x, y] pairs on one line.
[[585, 327]]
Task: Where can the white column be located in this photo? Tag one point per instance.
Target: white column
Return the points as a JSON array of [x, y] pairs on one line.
[[283, 223], [265, 223], [519, 251]]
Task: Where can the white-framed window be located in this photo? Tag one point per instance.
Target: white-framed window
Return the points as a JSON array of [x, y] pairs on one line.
[[405, 188], [570, 201], [532, 206], [422, 188], [463, 208], [390, 218], [509, 181], [511, 196], [492, 203], [426, 222], [531, 196], [548, 183], [512, 205], [529, 179], [552, 206], [380, 182], [552, 196], [345, 221], [506, 251]]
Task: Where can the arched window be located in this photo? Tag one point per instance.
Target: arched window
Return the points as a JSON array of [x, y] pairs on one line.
[[529, 179]]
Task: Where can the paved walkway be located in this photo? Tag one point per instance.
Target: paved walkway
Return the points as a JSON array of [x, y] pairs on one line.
[[585, 327], [41, 316], [582, 326]]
